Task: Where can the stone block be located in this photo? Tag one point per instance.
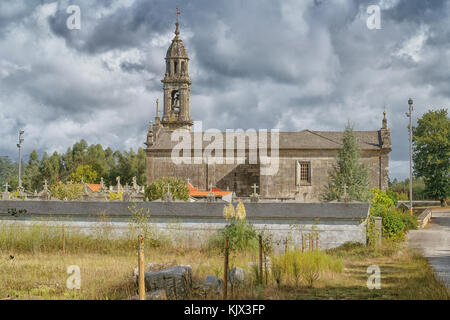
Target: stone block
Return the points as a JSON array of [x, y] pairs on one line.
[[176, 281]]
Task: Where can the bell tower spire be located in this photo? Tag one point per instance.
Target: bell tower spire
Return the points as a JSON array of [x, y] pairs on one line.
[[177, 91]]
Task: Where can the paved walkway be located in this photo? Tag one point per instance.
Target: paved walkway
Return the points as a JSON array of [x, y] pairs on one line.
[[434, 243]]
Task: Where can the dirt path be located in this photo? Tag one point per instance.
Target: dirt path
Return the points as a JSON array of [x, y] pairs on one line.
[[434, 243]]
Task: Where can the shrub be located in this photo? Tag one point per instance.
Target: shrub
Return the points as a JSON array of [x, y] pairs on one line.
[[307, 266], [241, 233], [409, 220], [67, 191], [394, 221], [393, 225], [158, 188]]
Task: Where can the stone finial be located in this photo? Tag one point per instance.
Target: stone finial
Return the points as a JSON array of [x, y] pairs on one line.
[[119, 186], [135, 185], [177, 29], [384, 126]]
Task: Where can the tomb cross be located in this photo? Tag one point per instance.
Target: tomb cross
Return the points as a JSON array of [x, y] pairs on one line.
[[345, 190], [210, 187], [6, 187], [188, 180], [82, 180], [254, 188], [168, 188]]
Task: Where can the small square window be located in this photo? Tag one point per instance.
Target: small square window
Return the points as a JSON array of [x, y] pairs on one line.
[[303, 172]]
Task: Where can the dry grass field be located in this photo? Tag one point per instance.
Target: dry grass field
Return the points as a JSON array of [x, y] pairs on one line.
[[42, 275]]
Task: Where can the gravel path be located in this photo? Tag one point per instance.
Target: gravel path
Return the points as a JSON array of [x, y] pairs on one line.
[[434, 244]]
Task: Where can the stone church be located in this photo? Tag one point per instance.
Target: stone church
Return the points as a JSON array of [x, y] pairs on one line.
[[304, 157]]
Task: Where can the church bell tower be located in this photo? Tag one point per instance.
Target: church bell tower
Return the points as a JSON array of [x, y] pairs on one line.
[[177, 84]]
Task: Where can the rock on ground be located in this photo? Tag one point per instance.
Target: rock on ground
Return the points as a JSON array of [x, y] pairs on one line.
[[236, 276], [214, 283], [176, 281]]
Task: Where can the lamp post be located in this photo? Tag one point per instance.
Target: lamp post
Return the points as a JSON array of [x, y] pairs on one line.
[[409, 115], [19, 145]]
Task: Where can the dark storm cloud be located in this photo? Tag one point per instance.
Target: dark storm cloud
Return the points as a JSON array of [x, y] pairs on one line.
[[254, 64]]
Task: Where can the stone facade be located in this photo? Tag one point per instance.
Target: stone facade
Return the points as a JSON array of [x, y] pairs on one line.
[[317, 150]]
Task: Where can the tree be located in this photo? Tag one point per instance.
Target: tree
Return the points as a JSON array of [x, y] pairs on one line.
[[431, 140], [158, 188], [31, 179], [348, 179], [84, 173]]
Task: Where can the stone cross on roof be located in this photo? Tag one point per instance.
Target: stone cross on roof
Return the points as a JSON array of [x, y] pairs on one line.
[[254, 188]]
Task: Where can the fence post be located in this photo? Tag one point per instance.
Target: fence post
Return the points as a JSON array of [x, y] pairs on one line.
[[225, 270], [311, 242], [141, 267], [317, 241], [287, 243], [260, 260], [63, 239], [303, 242]]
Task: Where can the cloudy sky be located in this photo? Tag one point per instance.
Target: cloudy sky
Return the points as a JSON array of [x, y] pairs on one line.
[[286, 64]]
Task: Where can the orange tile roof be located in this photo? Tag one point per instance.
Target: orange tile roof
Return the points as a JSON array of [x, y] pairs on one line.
[[194, 192], [94, 187]]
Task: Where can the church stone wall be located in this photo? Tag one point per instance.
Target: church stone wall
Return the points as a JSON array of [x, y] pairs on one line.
[[240, 178], [283, 184]]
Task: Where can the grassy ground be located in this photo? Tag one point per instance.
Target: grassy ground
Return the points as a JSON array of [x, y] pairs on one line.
[[42, 275]]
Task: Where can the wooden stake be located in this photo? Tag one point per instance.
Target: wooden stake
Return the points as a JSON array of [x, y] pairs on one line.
[[286, 248], [63, 239], [260, 260], [303, 242], [317, 241], [225, 270], [141, 267], [311, 242]]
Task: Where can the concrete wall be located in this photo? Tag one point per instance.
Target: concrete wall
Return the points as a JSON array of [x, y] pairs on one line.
[[191, 224]]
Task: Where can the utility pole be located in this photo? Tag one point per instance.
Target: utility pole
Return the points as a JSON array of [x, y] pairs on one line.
[[19, 145], [409, 115]]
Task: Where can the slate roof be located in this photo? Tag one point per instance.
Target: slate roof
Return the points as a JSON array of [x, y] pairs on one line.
[[306, 139]]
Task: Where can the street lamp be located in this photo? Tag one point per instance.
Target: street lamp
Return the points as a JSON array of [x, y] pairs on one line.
[[409, 115], [19, 145]]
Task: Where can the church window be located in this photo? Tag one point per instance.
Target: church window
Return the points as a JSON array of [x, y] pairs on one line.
[[303, 172], [175, 68]]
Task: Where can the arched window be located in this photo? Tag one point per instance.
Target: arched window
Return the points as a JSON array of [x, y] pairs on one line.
[[175, 70]]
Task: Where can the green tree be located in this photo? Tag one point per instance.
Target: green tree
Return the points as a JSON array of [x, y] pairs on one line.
[[348, 176], [31, 180], [158, 188], [431, 154], [49, 168], [85, 173]]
